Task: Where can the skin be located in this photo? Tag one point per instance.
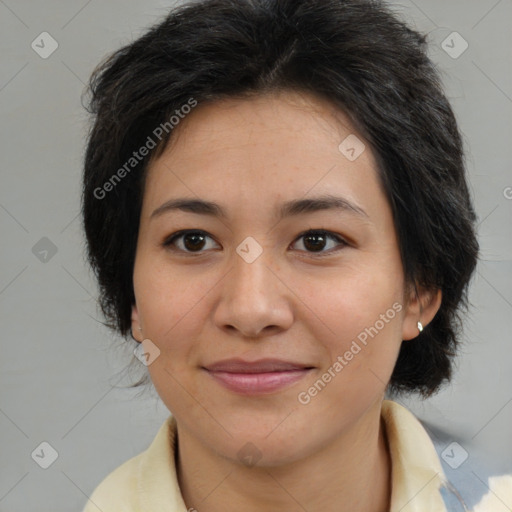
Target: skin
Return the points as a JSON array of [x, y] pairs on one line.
[[291, 303]]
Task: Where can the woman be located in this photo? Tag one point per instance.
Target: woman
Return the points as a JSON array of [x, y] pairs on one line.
[[276, 209]]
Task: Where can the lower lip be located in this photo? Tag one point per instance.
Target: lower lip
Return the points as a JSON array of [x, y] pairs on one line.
[[258, 383]]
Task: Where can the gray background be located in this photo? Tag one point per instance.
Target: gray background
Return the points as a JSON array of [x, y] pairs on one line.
[[61, 370]]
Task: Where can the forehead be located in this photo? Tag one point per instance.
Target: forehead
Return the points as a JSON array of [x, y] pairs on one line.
[[265, 148], [283, 118]]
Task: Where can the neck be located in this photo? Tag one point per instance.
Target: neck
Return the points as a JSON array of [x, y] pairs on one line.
[[350, 474]]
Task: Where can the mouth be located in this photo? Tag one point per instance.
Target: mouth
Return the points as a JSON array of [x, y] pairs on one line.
[[257, 377]]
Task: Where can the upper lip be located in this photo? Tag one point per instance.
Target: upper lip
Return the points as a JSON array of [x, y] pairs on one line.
[[259, 366]]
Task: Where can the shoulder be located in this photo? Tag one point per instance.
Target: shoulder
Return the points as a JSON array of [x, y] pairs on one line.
[[468, 479], [473, 478], [144, 482], [499, 495], [118, 491]]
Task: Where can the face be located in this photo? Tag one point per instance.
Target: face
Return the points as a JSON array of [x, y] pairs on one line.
[[272, 311]]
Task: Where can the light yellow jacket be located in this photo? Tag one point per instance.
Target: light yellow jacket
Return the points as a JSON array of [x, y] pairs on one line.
[[148, 482]]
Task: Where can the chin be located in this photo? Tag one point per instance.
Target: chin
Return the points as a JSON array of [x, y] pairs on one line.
[[263, 453], [256, 444]]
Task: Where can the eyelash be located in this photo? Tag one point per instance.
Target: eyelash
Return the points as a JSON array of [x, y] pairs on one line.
[[170, 240]]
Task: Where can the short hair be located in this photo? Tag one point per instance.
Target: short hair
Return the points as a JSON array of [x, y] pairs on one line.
[[358, 55]]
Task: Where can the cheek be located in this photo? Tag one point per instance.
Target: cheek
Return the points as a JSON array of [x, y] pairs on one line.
[[172, 309], [359, 361], [348, 301], [358, 317], [169, 306]]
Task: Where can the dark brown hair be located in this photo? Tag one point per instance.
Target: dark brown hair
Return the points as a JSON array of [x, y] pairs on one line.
[[355, 53]]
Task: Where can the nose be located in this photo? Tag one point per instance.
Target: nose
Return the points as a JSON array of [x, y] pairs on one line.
[[254, 301]]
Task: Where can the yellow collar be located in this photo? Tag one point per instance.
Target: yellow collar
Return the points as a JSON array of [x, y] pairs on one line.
[[416, 470], [416, 473]]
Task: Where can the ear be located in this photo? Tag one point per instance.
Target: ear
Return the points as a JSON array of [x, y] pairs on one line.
[[422, 307], [136, 327]]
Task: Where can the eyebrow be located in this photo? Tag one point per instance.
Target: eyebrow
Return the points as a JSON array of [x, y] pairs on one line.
[[286, 209]]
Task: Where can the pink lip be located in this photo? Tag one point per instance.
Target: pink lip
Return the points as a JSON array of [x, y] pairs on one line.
[[257, 377]]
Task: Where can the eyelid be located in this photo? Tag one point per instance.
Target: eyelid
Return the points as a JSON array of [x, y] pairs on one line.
[[328, 234], [169, 240]]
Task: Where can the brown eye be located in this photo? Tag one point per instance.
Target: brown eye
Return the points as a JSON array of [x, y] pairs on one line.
[[196, 241], [314, 242], [193, 241], [188, 241], [317, 240]]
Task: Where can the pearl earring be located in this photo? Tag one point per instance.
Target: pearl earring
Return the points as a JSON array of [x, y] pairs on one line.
[[420, 327]]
